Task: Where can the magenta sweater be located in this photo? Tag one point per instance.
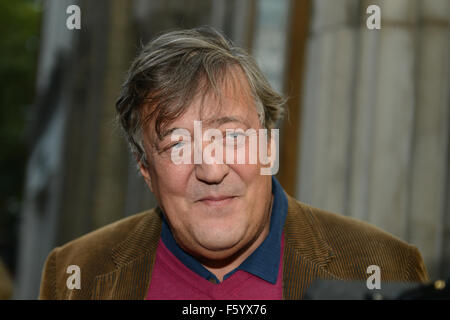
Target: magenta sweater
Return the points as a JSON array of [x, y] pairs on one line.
[[172, 280]]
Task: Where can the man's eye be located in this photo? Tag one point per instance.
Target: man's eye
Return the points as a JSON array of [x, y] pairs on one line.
[[235, 139], [234, 135], [177, 145], [174, 146]]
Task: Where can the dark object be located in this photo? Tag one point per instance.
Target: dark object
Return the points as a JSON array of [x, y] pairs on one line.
[[357, 290]]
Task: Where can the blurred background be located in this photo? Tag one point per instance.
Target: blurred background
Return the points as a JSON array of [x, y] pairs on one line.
[[367, 134]]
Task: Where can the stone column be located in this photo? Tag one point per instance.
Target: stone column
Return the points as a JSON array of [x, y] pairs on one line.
[[428, 207], [376, 119], [110, 189], [43, 192], [328, 104]]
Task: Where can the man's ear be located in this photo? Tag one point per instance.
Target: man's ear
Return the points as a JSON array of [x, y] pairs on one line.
[[146, 175]]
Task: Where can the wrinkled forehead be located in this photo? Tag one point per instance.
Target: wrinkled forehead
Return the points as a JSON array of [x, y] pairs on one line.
[[230, 95]]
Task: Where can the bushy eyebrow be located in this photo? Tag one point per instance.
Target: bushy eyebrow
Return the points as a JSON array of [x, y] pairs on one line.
[[224, 120], [219, 122], [169, 132]]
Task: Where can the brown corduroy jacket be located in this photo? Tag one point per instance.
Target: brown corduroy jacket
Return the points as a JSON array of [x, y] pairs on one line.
[[116, 261]]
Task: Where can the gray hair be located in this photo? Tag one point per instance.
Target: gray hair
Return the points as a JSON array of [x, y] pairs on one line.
[[168, 72]]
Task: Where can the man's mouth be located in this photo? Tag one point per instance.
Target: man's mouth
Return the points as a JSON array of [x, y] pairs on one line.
[[216, 200]]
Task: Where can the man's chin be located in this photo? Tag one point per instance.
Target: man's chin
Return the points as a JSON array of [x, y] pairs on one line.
[[214, 250], [218, 247]]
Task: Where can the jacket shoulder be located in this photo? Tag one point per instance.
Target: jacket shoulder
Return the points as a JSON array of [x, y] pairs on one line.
[[105, 238], [356, 245], [92, 253]]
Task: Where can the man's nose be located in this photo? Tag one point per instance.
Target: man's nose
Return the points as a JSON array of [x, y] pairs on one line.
[[211, 173], [212, 168]]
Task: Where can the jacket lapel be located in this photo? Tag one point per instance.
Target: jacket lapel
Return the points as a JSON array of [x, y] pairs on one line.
[[134, 259], [306, 254]]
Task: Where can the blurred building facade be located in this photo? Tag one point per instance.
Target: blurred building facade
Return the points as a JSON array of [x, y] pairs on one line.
[[367, 134], [375, 123]]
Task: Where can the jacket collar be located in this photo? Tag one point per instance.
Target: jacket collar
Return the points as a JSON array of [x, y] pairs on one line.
[[305, 258]]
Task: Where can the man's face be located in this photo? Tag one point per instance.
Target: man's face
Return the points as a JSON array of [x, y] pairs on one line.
[[214, 210]]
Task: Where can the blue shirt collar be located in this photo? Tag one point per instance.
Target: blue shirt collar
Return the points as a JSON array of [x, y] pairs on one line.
[[264, 262]]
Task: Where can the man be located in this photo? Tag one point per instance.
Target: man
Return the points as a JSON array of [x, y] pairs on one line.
[[192, 104]]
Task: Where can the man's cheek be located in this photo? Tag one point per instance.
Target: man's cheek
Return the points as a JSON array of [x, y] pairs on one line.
[[247, 172]]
